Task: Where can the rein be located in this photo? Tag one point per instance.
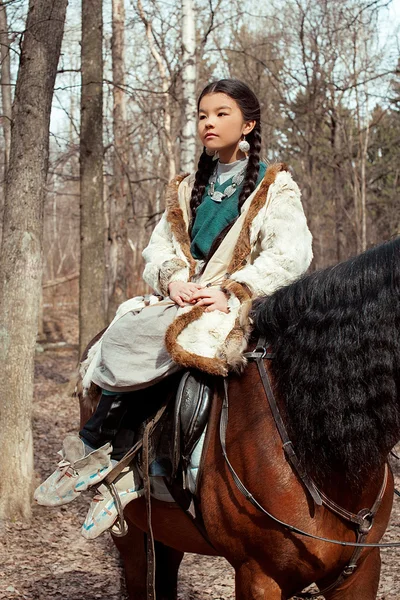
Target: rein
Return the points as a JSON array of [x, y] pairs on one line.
[[363, 520]]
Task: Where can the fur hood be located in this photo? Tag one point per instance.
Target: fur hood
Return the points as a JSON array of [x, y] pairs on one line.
[[268, 247]]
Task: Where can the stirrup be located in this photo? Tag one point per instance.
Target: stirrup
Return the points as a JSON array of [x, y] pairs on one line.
[[106, 511]]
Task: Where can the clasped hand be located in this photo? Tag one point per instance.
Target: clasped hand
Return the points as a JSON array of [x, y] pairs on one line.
[[183, 293]]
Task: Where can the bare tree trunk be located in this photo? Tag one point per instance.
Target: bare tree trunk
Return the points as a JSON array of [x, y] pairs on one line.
[[364, 141], [188, 145], [92, 264], [21, 250], [5, 83], [338, 186], [120, 255]]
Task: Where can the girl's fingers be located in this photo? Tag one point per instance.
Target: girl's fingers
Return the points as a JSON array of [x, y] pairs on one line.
[[216, 307], [201, 294], [205, 302]]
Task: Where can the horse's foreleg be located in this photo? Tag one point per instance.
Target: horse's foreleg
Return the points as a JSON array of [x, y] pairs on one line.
[[252, 584], [363, 583], [132, 548], [167, 566]]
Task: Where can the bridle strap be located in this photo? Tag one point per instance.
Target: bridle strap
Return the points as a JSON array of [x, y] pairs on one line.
[[249, 496], [287, 444], [317, 495]]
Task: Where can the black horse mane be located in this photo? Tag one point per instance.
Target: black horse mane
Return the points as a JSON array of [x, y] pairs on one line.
[[335, 335]]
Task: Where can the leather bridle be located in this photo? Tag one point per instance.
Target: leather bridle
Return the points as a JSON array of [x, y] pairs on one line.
[[363, 520]]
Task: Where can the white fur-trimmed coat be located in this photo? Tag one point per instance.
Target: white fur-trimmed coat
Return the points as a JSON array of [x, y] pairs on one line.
[[268, 247]]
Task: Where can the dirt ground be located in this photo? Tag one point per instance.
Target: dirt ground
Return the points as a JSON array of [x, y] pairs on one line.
[[49, 560]]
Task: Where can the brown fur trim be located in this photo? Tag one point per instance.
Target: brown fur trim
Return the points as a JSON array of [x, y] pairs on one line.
[[242, 248], [240, 290], [214, 366], [237, 340], [232, 351], [176, 221], [89, 402], [92, 398], [168, 268]]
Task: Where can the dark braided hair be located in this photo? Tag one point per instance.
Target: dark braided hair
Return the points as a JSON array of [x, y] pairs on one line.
[[204, 169], [250, 108]]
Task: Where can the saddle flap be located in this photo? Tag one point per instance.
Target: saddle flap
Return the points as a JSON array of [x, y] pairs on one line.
[[195, 408], [192, 407]]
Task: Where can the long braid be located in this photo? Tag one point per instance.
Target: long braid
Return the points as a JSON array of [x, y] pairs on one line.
[[253, 165], [204, 169]]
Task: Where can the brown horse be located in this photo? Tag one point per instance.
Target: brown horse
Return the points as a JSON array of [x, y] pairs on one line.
[[344, 417]]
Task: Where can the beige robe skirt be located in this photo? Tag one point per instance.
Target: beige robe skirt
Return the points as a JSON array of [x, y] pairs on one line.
[[133, 354]]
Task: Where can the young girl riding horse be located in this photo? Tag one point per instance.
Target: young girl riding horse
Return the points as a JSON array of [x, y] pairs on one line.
[[233, 231]]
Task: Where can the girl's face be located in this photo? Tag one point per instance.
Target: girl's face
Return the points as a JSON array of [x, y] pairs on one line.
[[221, 125]]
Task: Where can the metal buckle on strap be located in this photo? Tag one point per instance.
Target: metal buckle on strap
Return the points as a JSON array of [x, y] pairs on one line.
[[258, 353], [349, 570], [366, 521], [261, 351]]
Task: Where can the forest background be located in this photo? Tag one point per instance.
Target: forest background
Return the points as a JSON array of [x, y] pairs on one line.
[[327, 76], [123, 124], [328, 79]]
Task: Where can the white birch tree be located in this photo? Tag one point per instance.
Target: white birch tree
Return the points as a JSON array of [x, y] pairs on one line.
[[6, 100], [120, 254], [165, 87], [188, 136]]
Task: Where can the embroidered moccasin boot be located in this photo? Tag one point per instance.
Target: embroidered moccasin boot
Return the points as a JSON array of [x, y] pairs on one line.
[[79, 469], [103, 512]]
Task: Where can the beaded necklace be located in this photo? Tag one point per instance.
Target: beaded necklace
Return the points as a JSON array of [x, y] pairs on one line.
[[230, 190]]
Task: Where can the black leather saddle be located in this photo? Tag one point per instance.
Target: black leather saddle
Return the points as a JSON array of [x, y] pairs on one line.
[[191, 410], [181, 426]]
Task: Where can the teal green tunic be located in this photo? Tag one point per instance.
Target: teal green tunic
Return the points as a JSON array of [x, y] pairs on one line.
[[212, 217]]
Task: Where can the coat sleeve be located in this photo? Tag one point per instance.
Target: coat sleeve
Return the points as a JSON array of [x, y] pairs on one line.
[[284, 243], [162, 265]]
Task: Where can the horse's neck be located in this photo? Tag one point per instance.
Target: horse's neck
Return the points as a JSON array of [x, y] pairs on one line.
[[255, 440]]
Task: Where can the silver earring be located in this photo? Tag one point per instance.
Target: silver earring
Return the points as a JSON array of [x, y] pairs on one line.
[[244, 145]]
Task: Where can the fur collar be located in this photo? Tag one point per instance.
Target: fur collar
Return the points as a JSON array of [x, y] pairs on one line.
[[242, 248]]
